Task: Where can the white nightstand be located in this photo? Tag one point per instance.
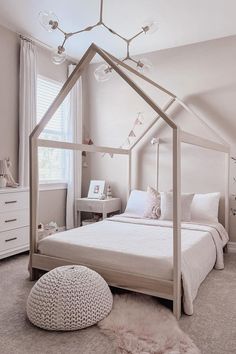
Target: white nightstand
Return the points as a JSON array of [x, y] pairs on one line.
[[104, 207]]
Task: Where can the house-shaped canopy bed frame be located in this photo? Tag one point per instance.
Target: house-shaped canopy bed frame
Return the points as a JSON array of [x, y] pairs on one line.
[[163, 288]]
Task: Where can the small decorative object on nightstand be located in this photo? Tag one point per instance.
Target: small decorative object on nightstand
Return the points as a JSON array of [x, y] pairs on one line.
[[109, 192], [102, 196], [103, 207]]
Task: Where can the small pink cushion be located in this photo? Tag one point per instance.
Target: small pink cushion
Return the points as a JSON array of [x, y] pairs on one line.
[[153, 204]]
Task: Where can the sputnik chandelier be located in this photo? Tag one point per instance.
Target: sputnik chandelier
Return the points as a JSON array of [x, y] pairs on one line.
[[50, 22]]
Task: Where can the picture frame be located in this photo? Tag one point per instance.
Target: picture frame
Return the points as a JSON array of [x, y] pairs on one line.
[[96, 189]]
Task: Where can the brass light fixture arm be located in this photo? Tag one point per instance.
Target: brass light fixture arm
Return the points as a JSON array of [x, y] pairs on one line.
[[136, 35], [101, 12], [113, 32]]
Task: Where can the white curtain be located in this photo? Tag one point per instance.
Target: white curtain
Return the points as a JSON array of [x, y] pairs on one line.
[[74, 165], [27, 105]]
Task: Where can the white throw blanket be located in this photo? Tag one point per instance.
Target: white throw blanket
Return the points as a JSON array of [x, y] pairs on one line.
[[193, 272]]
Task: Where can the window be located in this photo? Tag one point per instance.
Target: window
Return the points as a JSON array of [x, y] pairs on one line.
[[52, 161]]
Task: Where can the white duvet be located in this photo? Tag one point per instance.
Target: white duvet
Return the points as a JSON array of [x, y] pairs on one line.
[[144, 247]]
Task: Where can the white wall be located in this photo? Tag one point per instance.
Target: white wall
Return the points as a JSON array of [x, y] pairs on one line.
[[203, 75], [9, 81]]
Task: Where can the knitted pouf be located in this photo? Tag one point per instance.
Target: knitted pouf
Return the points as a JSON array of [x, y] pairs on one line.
[[69, 298]]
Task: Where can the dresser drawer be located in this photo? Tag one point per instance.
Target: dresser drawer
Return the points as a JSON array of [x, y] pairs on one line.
[[14, 238], [13, 219], [14, 201]]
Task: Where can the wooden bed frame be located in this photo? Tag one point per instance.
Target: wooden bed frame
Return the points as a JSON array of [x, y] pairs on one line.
[[158, 287]]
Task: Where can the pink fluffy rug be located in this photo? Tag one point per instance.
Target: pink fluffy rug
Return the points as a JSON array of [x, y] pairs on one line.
[[140, 325]]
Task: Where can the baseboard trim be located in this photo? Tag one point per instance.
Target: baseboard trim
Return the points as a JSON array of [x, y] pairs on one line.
[[232, 247]]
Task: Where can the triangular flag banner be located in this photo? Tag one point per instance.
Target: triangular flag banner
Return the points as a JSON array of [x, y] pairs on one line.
[[131, 134], [103, 154], [138, 122], [111, 155], [140, 117]]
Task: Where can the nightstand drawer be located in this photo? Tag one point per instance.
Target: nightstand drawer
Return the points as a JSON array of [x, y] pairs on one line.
[[14, 219], [14, 201], [14, 238], [95, 206]]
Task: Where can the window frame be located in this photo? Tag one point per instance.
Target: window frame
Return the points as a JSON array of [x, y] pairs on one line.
[[45, 185]]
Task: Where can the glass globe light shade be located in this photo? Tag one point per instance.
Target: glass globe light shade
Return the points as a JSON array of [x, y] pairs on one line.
[[58, 56], [144, 65], [48, 20], [150, 27], [103, 73]]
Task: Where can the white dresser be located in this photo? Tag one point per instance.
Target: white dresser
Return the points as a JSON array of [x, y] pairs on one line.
[[14, 221]]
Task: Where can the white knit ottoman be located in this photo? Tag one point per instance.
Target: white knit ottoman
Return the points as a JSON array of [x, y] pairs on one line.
[[69, 298]]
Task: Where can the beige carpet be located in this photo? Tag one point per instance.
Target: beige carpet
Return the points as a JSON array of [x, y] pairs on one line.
[[212, 327]]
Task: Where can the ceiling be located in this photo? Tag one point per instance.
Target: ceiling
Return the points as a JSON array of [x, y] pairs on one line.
[[180, 22]]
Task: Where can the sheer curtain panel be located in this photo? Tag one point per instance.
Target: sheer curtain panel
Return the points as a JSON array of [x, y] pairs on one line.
[[27, 105]]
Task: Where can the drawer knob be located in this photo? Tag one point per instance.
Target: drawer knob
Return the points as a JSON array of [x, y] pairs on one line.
[[10, 220], [11, 239], [11, 202]]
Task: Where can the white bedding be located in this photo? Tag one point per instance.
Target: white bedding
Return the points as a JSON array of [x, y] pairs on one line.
[[144, 247]]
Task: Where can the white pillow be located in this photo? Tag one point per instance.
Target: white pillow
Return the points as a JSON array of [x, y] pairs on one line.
[[205, 207], [167, 206], [136, 203]]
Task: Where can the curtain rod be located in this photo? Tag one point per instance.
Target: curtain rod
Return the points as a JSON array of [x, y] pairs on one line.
[[35, 41], [43, 45], [25, 38]]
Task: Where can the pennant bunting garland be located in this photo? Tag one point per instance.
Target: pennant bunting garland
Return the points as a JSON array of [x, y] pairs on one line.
[[138, 121], [131, 134], [111, 155], [141, 117]]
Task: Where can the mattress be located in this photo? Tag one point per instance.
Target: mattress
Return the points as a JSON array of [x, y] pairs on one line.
[[143, 247]]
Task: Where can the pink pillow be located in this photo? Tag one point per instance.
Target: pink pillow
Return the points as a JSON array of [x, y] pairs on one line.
[[153, 204]]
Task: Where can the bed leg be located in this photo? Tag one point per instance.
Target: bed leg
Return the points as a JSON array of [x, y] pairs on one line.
[[34, 274], [177, 307]]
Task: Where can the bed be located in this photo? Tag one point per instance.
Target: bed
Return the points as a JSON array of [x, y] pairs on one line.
[[142, 247], [149, 284]]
